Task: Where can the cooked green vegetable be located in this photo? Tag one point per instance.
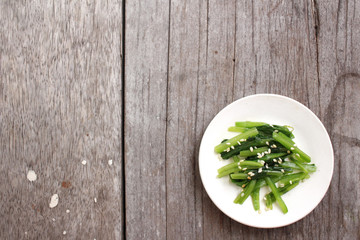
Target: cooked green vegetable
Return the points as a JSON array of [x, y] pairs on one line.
[[263, 155]]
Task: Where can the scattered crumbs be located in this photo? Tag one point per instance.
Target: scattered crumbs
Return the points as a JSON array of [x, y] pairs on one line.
[[53, 219], [54, 201], [31, 175], [110, 162], [95, 200], [66, 184], [64, 232], [25, 233], [67, 210], [83, 162]]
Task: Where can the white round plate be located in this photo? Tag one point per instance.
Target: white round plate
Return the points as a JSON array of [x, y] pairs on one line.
[[310, 136]]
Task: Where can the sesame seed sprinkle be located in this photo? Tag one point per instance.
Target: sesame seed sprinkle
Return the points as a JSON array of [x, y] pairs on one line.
[[238, 143], [292, 148], [267, 143], [269, 150], [251, 149], [274, 160], [232, 147], [290, 182], [276, 131], [244, 169], [242, 160], [260, 170], [239, 167], [227, 143], [242, 194], [282, 170], [228, 150], [255, 147]]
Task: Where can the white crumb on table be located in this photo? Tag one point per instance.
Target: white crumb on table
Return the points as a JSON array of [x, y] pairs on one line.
[[53, 219], [110, 162], [31, 175], [67, 210], [95, 200], [54, 201], [64, 232], [83, 162]]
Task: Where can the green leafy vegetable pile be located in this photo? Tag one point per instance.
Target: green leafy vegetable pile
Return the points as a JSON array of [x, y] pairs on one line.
[[263, 155]]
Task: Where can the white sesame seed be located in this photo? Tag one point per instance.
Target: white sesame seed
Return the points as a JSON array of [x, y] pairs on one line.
[[262, 162], [281, 185], [274, 160], [297, 154], [290, 182], [238, 143], [266, 152], [295, 145], [232, 147], [266, 166], [242, 160], [292, 148], [279, 161], [276, 131], [227, 143], [242, 194], [249, 173], [276, 165], [267, 143], [265, 198], [239, 167], [260, 170], [269, 150], [228, 150], [64, 232], [244, 169], [255, 147], [259, 154], [251, 149], [282, 170], [238, 163], [242, 140]]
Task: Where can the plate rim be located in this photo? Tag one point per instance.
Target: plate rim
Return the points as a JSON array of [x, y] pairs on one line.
[[322, 128]]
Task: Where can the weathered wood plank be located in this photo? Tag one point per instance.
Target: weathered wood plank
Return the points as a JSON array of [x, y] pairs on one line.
[[339, 71], [60, 103], [186, 46], [146, 67]]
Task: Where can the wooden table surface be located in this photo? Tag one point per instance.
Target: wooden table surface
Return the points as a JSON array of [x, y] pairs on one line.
[[137, 82]]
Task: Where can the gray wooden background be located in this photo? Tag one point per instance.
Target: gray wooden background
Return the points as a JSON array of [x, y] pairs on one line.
[[137, 82]]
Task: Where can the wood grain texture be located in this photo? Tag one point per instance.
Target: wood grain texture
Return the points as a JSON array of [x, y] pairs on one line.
[[339, 73], [60, 103], [61, 100], [146, 66]]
